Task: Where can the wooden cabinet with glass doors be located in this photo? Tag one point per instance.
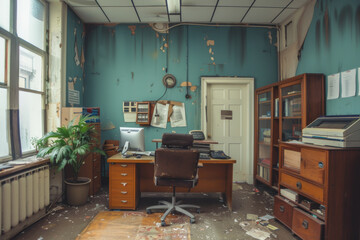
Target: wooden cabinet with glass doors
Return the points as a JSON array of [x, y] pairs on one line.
[[282, 110]]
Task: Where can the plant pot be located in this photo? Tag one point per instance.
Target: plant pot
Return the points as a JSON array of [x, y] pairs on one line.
[[77, 192]]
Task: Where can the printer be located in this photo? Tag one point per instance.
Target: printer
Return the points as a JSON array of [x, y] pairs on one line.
[[335, 131]]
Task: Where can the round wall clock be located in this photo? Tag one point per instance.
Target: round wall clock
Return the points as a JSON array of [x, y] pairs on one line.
[[169, 81]]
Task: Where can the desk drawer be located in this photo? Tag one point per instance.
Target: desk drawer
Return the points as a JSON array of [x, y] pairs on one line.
[[120, 188], [283, 211], [313, 165], [306, 226], [312, 191], [122, 171], [122, 203]]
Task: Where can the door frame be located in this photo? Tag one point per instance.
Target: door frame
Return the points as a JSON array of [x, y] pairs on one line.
[[249, 83]]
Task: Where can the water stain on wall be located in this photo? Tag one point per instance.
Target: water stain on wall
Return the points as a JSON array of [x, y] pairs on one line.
[[117, 82], [326, 27], [221, 67], [237, 43], [357, 23], [345, 19], [317, 35], [132, 75]]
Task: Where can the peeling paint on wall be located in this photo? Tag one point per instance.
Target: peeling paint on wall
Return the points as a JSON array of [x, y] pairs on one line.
[[193, 88], [184, 84], [210, 43], [132, 29], [326, 27], [357, 23]]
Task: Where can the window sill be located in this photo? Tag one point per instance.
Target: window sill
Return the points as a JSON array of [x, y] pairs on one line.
[[23, 164]]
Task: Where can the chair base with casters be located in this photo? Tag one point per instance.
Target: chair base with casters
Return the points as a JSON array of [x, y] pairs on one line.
[[173, 206]]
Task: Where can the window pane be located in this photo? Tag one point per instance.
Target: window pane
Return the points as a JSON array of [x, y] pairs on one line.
[[31, 21], [5, 14], [30, 73], [4, 136], [2, 59], [31, 118]]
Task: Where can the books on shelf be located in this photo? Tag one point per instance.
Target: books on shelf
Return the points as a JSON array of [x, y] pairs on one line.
[[289, 194]]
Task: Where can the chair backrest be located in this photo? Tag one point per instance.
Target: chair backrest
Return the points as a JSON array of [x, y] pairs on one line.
[[176, 163]]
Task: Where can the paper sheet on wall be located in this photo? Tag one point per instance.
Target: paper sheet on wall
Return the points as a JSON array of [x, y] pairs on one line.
[[333, 86], [348, 83], [162, 110], [73, 96], [178, 117]]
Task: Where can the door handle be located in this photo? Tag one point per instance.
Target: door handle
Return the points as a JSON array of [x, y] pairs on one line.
[[305, 224], [282, 209]]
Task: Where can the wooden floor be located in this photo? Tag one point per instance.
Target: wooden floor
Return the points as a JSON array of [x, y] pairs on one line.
[[135, 225]]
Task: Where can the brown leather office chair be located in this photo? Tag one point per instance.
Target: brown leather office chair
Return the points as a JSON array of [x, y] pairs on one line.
[[176, 165]]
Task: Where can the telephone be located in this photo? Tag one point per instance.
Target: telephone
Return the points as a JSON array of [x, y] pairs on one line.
[[197, 134]]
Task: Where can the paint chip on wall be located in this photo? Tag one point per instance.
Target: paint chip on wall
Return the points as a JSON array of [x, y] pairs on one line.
[[210, 42]]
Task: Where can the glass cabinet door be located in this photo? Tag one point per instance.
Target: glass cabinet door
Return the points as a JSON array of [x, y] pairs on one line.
[[264, 135], [291, 112]]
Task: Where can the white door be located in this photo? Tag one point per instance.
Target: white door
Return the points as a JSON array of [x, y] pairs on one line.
[[232, 132]]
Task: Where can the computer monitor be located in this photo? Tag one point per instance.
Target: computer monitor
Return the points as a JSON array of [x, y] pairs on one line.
[[135, 137]]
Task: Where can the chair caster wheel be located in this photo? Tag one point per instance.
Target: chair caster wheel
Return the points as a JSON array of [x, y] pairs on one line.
[[192, 220], [163, 224], [148, 211], [198, 210]]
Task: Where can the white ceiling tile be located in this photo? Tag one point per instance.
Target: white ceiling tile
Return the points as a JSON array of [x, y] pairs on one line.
[[174, 18], [121, 14], [198, 2], [196, 14], [229, 14], [271, 3], [115, 3], [261, 15], [152, 14], [284, 15], [91, 14], [298, 3], [139, 3], [235, 3], [81, 3]]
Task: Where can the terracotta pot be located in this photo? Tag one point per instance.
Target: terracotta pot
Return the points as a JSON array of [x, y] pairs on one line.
[[77, 193]]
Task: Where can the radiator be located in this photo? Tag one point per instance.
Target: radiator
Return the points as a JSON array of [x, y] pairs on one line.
[[23, 195]]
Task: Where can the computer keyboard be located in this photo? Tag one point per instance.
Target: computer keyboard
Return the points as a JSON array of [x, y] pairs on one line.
[[204, 156]]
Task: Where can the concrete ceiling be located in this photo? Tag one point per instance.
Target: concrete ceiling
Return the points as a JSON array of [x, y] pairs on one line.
[[269, 12]]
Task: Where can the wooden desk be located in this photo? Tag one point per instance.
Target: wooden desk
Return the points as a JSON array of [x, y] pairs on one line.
[[128, 177]]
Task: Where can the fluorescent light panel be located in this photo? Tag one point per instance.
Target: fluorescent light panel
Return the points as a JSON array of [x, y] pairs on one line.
[[173, 6]]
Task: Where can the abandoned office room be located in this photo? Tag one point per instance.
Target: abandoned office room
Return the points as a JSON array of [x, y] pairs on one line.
[[179, 119]]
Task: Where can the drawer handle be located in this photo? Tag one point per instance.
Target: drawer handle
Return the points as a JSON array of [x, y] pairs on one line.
[[123, 201], [124, 184], [305, 224], [321, 165], [123, 165], [298, 185], [282, 209], [123, 192], [123, 174], [95, 177]]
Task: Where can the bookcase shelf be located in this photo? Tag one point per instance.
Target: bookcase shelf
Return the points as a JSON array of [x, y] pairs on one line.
[[282, 110]]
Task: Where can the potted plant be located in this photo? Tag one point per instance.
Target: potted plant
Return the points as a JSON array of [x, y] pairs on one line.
[[69, 145]]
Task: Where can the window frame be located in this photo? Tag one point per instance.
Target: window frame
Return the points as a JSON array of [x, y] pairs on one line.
[[12, 65]]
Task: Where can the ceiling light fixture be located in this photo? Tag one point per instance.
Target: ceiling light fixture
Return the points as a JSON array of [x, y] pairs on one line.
[[173, 6]]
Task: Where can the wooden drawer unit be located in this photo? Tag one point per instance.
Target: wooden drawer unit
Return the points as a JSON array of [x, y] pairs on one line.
[[283, 211], [324, 179], [306, 226], [308, 189], [122, 186]]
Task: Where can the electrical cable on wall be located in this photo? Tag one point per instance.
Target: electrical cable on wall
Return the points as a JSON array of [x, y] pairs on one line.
[[187, 96]]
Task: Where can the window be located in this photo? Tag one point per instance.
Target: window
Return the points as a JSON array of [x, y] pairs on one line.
[[30, 98], [31, 22], [4, 124], [5, 14], [22, 78]]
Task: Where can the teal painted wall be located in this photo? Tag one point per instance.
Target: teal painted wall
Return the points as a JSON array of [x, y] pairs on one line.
[[121, 66], [332, 45], [74, 73]]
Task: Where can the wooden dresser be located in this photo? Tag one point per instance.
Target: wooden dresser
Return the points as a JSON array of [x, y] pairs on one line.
[[325, 192]]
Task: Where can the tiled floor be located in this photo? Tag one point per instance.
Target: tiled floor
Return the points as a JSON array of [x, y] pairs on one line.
[[214, 222]]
